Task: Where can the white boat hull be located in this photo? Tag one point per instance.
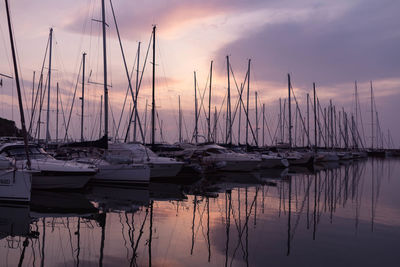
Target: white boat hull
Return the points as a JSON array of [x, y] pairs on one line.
[[123, 174], [15, 185], [268, 163], [164, 170], [239, 166]]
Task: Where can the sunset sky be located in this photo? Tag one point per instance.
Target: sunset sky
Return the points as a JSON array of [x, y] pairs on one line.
[[332, 43]]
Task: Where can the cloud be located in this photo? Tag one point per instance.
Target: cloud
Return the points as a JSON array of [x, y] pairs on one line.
[[358, 43]]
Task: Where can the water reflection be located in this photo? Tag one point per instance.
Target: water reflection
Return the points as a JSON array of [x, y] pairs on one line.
[[346, 214]]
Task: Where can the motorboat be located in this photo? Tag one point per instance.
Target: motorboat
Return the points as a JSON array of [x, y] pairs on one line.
[[325, 156], [48, 172], [272, 160], [109, 171], [298, 158], [139, 154], [215, 157]]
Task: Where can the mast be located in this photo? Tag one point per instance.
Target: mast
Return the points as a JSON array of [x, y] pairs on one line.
[[153, 104], [83, 93], [101, 113], [215, 125], [372, 119], [57, 114], [21, 108], [256, 109], [48, 87], [195, 110], [290, 114], [228, 108], [308, 119], [315, 119], [209, 106], [356, 101], [331, 121], [180, 120], [103, 15], [280, 120], [247, 102], [240, 114], [33, 91], [263, 127], [136, 92]]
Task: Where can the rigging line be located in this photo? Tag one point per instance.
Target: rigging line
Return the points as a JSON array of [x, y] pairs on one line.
[[126, 68], [41, 102], [201, 103], [62, 112], [143, 133], [265, 120], [126, 96], [247, 116], [240, 94], [112, 116], [39, 83], [301, 117], [72, 104]]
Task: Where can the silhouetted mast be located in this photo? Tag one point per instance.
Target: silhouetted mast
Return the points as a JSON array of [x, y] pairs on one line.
[[103, 14], [315, 119], [153, 104], [57, 113], [209, 106], [21, 109], [195, 110], [228, 107], [247, 103], [48, 87], [372, 119], [83, 93], [290, 113]]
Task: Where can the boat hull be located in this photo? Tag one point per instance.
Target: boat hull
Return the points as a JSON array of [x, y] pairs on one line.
[[15, 186], [159, 170], [60, 180], [123, 174]]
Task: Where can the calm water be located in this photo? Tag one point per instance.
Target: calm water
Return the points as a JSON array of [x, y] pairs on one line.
[[348, 215]]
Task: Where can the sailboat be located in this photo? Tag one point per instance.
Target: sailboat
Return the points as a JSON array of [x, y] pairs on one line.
[[98, 153], [15, 185]]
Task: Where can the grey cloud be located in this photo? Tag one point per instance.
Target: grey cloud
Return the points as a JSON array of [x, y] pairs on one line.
[[360, 43]]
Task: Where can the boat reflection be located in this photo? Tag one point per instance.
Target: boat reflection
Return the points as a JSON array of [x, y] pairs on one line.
[[226, 219]]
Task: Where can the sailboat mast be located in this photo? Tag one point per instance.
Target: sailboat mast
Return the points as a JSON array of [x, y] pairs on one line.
[[372, 119], [280, 120], [290, 113], [256, 109], [101, 113], [48, 87], [83, 93], [195, 109], [21, 108], [57, 113], [315, 118], [103, 15], [136, 93], [209, 105], [153, 104], [308, 119], [229, 114], [180, 119], [263, 127], [247, 102], [33, 92]]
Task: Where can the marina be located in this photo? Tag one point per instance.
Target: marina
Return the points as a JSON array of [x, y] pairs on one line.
[[107, 164]]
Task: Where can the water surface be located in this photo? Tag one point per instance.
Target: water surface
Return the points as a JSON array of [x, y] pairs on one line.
[[338, 215]]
